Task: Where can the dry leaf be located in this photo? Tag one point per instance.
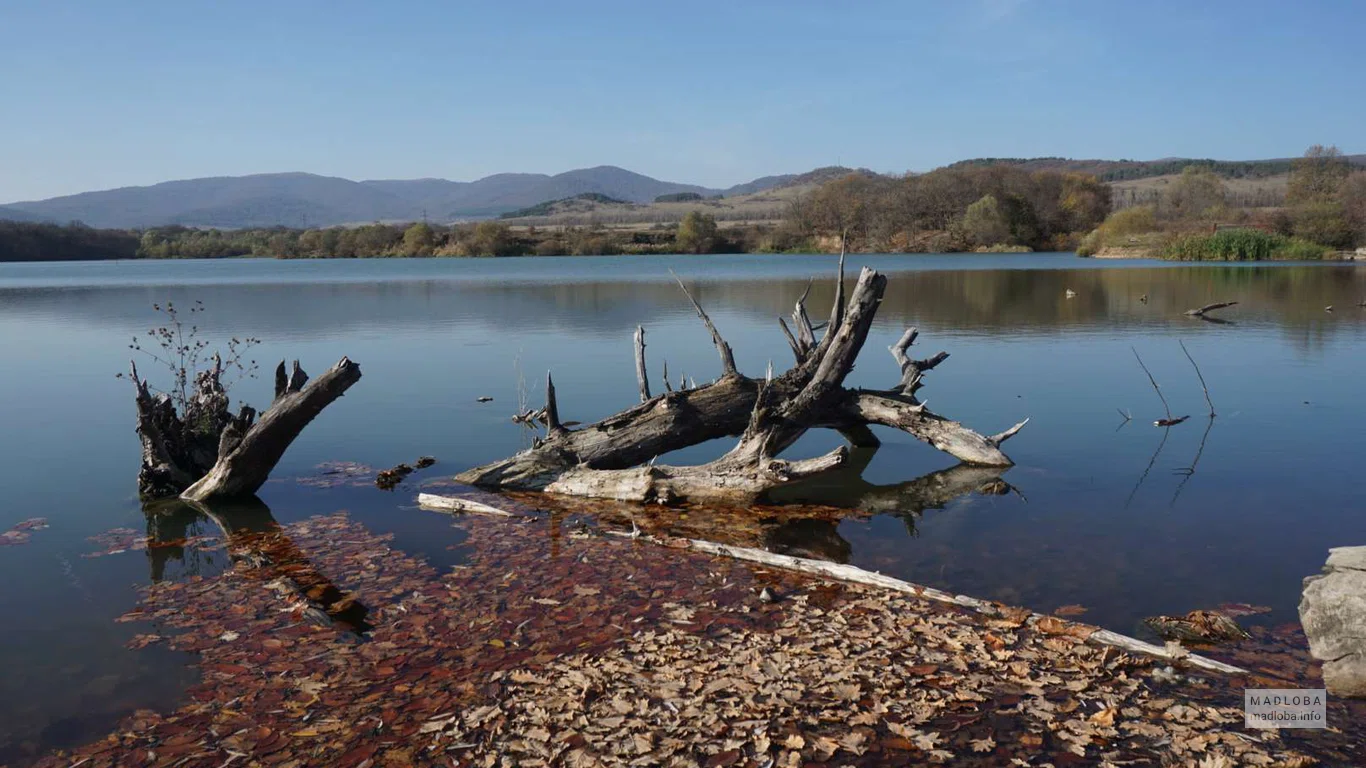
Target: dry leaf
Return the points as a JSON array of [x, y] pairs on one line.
[[983, 745]]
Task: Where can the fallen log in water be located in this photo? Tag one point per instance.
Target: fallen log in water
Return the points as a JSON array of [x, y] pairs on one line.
[[854, 574], [457, 504], [858, 575], [1202, 311], [614, 458], [206, 452]]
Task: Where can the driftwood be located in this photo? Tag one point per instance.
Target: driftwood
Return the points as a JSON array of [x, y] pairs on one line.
[[1200, 627], [208, 452], [839, 571], [856, 575], [456, 504], [1202, 311], [614, 458]]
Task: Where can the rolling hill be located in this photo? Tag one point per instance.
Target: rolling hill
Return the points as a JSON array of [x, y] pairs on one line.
[[1129, 170], [14, 214], [303, 199], [309, 200]]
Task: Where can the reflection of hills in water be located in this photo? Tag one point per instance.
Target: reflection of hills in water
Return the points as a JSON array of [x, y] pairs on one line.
[[1030, 300]]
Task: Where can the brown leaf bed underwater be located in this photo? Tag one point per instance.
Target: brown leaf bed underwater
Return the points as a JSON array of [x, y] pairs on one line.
[[555, 645]]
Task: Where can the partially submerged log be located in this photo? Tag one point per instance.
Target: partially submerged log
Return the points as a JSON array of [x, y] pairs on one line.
[[438, 503], [1199, 627], [839, 571], [1048, 624], [208, 452], [1202, 311], [615, 458]]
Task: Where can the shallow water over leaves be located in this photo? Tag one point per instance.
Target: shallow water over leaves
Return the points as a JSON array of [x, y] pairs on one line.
[[1104, 514]]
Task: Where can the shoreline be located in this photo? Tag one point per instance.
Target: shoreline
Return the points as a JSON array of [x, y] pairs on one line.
[[553, 643], [1120, 252]]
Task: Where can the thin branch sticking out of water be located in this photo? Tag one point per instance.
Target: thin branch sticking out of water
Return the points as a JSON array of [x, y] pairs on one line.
[[1169, 421], [1198, 375]]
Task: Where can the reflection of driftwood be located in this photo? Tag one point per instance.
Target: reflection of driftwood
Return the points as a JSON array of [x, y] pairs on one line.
[[252, 535], [604, 459], [1141, 478], [1202, 311], [208, 452], [1188, 472], [810, 538], [803, 520], [846, 488]]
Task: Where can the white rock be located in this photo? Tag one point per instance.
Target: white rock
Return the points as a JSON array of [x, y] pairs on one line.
[[1333, 612]]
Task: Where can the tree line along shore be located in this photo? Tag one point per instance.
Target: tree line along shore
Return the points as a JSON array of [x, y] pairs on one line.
[[999, 207]]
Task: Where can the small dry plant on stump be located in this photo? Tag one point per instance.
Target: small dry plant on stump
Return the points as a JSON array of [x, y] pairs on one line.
[[176, 346], [193, 445]]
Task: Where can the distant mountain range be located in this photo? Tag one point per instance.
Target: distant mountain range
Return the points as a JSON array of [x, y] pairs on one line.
[[308, 200], [14, 214], [304, 199]]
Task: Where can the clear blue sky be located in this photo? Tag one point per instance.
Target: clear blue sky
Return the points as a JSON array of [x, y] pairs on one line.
[[101, 94]]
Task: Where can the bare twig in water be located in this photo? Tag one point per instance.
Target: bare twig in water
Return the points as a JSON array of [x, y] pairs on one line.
[[1198, 375], [1170, 421], [522, 404]]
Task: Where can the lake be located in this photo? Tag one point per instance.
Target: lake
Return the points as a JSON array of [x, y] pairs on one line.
[[1108, 512]]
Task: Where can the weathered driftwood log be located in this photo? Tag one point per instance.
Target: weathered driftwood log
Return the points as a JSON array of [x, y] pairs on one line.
[[614, 458], [1046, 624], [1201, 627], [1202, 311], [207, 451]]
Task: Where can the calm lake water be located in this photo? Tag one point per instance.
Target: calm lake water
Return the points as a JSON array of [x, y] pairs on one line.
[[1108, 513]]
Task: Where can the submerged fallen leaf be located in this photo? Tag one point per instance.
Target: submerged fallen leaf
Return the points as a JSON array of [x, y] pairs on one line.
[[1242, 609], [1069, 610]]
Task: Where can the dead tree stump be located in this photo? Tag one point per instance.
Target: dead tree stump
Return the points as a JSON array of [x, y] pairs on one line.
[[207, 451]]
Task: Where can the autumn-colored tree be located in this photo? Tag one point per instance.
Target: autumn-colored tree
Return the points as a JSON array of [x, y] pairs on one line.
[[1354, 205], [1324, 222], [1318, 176], [1195, 193], [492, 239], [986, 223], [418, 240], [1085, 202], [839, 208], [697, 233]]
